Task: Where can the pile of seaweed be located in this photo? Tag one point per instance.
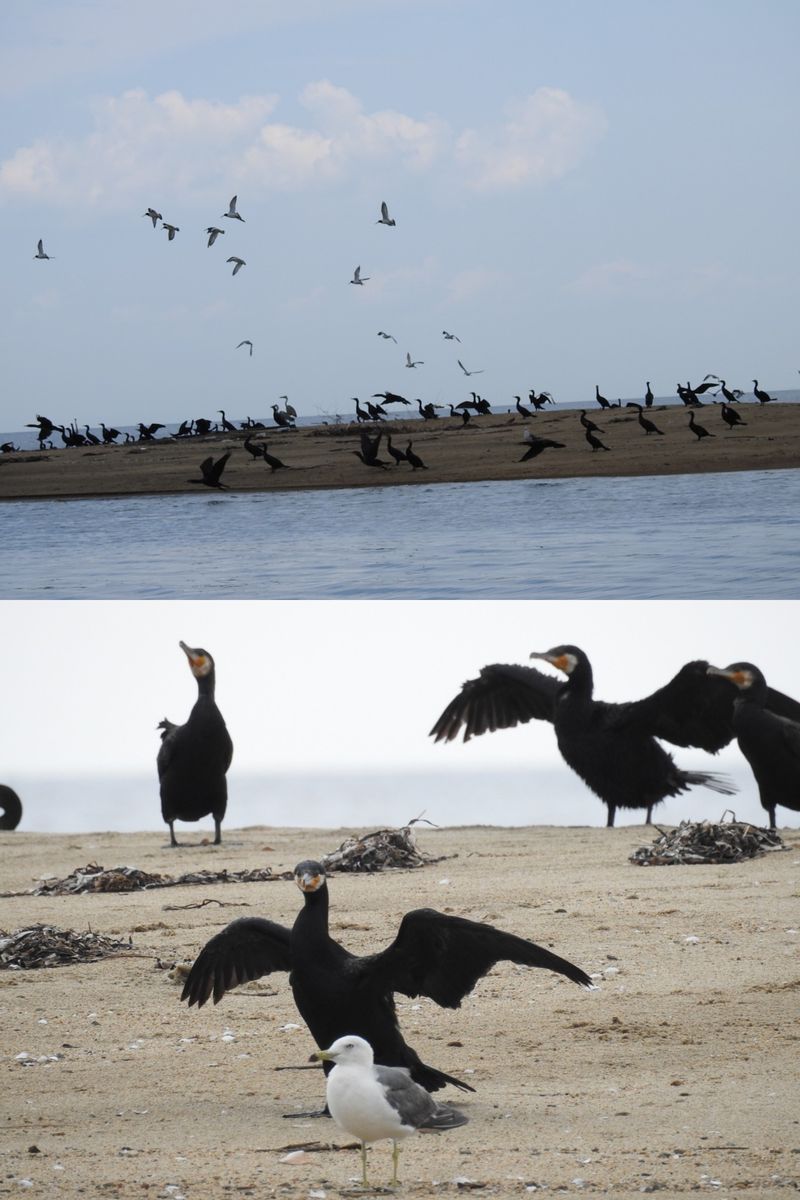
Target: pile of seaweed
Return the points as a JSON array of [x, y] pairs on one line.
[[386, 849], [94, 878], [49, 946], [693, 842]]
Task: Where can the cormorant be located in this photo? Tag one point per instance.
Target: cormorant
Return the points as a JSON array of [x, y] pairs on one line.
[[336, 993], [699, 431], [362, 414], [611, 746], [109, 435], [595, 442], [601, 400], [91, 438], [761, 396], [688, 396], [228, 426], [281, 418], [45, 427], [536, 445], [521, 409], [391, 398], [731, 417], [202, 426], [397, 455], [376, 411], [647, 426], [272, 462], [254, 449], [416, 462], [369, 450], [10, 807], [427, 411], [731, 396], [587, 424], [194, 757], [10, 448], [648, 396], [541, 400], [212, 472], [769, 741]]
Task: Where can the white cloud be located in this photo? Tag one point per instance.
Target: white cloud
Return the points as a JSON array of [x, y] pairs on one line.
[[170, 146], [547, 135], [610, 277], [472, 282]]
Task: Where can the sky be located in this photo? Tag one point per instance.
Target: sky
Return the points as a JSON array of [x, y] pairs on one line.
[[584, 193], [327, 686]]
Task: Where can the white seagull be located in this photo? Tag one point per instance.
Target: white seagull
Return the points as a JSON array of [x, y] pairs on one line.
[[153, 215], [40, 250], [466, 372], [357, 277], [232, 213], [171, 230], [246, 342], [213, 234], [384, 218], [372, 1103], [410, 363], [239, 263], [451, 337], [388, 336]]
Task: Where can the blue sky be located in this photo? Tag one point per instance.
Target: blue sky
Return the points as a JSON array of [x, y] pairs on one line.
[[584, 193]]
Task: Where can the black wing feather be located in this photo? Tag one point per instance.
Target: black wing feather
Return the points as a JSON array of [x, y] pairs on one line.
[[693, 709], [503, 695], [244, 950], [443, 957]]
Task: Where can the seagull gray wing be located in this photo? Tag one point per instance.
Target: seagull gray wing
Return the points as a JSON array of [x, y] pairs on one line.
[[413, 1105], [246, 949]]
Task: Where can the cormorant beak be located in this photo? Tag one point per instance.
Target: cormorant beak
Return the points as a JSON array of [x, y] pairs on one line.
[[200, 663], [740, 678], [562, 662], [309, 883]]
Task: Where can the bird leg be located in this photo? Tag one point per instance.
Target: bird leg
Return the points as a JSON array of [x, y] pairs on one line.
[[172, 839], [317, 1112], [364, 1179], [217, 831], [612, 808], [649, 818], [395, 1160]]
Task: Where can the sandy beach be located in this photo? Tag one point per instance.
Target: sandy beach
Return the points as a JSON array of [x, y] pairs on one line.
[[678, 1075], [489, 448]]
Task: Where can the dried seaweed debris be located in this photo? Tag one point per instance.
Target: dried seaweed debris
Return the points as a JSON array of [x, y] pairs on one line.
[[49, 946], [385, 849], [94, 878], [705, 842]]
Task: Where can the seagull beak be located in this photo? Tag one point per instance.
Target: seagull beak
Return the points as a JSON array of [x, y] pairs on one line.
[[322, 1056]]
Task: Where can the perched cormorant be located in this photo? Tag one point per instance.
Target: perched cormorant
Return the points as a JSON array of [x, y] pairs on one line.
[[521, 409], [227, 426], [10, 807], [272, 462], [769, 741], [427, 411], [587, 424], [761, 396], [699, 431], [647, 425], [595, 442], [611, 746], [731, 396], [601, 400], [397, 455], [212, 471], [416, 462], [109, 435], [648, 396], [45, 427], [376, 411], [254, 449], [281, 418], [194, 757], [336, 993], [731, 417]]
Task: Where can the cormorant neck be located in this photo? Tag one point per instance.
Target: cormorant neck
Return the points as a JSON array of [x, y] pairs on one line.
[[581, 681], [205, 686], [313, 916]]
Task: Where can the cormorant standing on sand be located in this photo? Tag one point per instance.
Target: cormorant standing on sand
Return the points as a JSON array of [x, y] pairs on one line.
[[699, 431], [731, 417], [195, 757], [595, 442], [648, 396], [601, 400], [433, 955], [416, 462], [397, 455], [769, 741], [647, 426], [10, 807], [612, 747]]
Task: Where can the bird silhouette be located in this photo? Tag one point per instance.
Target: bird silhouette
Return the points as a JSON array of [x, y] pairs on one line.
[[384, 218], [40, 250], [212, 471], [213, 234], [466, 372], [387, 336], [171, 230], [153, 215], [357, 277], [450, 337], [232, 213], [246, 342], [410, 362], [239, 263]]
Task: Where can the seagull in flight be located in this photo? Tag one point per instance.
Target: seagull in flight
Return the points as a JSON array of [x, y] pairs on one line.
[[388, 336], [239, 263], [232, 213], [450, 337], [153, 215], [357, 277], [246, 342], [410, 363], [213, 234], [40, 250], [464, 369], [171, 230], [384, 218]]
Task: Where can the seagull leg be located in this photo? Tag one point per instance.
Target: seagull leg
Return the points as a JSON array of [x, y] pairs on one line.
[[364, 1179], [395, 1160]]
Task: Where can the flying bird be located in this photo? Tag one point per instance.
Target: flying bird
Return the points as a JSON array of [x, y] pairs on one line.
[[450, 337], [171, 230], [433, 954], [357, 277], [384, 218], [153, 215], [387, 336], [466, 372], [420, 362], [232, 213], [246, 342], [40, 250], [372, 1103], [238, 261], [193, 758], [213, 234], [212, 471], [612, 747]]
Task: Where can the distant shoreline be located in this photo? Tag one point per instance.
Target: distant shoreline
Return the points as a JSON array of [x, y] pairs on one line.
[[323, 457]]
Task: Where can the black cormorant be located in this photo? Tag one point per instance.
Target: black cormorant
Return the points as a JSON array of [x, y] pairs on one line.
[[194, 757], [416, 462], [10, 807], [254, 449], [595, 442], [648, 396], [761, 396], [433, 955], [587, 424], [536, 445], [770, 741], [272, 462], [369, 450], [397, 455], [647, 425], [611, 746], [601, 400], [212, 471], [699, 431], [731, 417]]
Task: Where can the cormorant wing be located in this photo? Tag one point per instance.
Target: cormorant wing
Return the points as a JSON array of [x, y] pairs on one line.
[[503, 695], [691, 710], [782, 706], [369, 446], [246, 949], [215, 469], [444, 957]]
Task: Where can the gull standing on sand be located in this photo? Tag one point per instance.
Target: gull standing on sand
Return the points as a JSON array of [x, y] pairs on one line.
[[213, 234], [40, 250], [464, 369], [246, 342], [384, 218], [357, 277], [373, 1102], [239, 263], [420, 362], [171, 230], [232, 213], [153, 215]]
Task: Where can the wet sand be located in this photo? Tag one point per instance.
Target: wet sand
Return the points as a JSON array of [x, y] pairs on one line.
[[489, 448], [678, 1075]]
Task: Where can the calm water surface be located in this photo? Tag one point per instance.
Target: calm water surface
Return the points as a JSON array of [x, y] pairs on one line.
[[680, 536]]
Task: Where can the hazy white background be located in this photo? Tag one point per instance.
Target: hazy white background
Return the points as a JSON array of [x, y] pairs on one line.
[[585, 193]]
